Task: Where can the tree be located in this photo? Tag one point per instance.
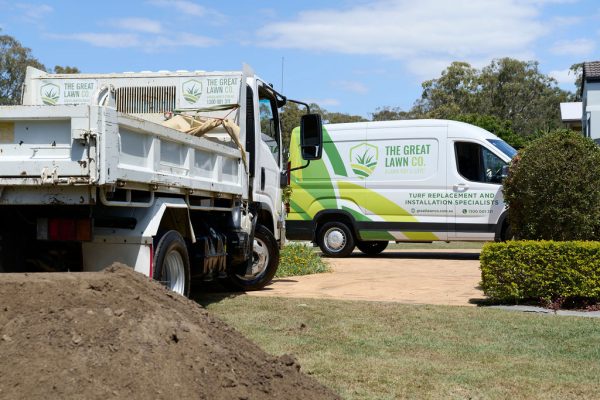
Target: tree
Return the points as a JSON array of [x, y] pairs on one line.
[[501, 128], [388, 113], [14, 59], [577, 71], [553, 189], [509, 89], [65, 70]]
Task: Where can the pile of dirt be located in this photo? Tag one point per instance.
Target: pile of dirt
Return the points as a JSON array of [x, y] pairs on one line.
[[116, 334]]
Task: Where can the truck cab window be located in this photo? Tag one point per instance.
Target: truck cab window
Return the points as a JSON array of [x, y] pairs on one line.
[[269, 124], [478, 164]]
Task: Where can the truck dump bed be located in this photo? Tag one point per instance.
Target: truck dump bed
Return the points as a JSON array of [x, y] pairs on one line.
[[67, 147], [83, 145]]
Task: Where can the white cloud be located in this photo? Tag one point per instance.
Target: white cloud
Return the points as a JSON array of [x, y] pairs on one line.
[[329, 102], [351, 86], [137, 25], [182, 40], [576, 47], [423, 34], [563, 77], [190, 8], [34, 11], [133, 40], [110, 40]]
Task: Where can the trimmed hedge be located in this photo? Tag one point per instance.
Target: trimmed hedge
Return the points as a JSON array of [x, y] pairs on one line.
[[548, 270]]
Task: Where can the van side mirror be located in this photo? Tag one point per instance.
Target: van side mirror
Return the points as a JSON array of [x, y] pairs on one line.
[[311, 137], [505, 169]]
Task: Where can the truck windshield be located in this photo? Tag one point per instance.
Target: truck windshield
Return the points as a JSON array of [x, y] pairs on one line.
[[503, 147]]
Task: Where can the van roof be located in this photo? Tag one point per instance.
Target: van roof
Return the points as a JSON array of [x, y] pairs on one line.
[[466, 130]]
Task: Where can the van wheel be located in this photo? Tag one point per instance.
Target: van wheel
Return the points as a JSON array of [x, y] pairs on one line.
[[259, 271], [335, 239], [172, 263], [372, 248]]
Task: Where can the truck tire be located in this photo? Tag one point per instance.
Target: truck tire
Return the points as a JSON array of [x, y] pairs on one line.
[[265, 260], [171, 265], [335, 239], [372, 248]]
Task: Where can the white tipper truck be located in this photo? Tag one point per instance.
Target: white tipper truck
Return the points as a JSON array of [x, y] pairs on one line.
[[176, 174]]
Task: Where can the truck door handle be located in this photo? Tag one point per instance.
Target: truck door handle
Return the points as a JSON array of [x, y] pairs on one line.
[[262, 178], [461, 187]]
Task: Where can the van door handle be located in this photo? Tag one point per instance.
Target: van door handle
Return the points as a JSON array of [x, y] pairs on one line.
[[461, 187], [262, 178]]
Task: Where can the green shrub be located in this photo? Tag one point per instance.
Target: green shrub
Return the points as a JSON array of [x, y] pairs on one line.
[[522, 270], [553, 189], [298, 259]]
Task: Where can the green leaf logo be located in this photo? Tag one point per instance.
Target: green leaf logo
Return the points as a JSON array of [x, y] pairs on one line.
[[50, 94], [192, 90], [363, 159]]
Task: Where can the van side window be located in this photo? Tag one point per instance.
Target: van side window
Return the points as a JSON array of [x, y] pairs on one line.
[[478, 164]]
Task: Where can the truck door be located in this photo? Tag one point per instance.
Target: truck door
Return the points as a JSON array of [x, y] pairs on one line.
[[474, 182], [268, 155]]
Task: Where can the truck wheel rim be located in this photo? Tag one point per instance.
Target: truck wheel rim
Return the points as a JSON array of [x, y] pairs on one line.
[[260, 260], [174, 275], [335, 240]]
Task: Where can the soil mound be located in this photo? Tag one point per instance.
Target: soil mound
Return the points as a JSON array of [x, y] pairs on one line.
[[117, 334]]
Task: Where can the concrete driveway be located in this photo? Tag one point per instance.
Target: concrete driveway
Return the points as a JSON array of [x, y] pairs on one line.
[[406, 276]]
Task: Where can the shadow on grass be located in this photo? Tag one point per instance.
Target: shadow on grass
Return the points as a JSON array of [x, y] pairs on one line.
[[421, 255]]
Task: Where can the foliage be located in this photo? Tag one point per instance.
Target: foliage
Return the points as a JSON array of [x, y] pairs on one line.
[[65, 70], [299, 259], [508, 89], [14, 59], [388, 113], [495, 125], [553, 189], [520, 270], [577, 71]]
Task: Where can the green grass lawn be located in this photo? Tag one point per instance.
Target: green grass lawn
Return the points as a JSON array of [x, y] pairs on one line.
[[366, 350]]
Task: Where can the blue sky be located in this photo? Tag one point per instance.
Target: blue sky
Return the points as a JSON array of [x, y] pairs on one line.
[[349, 55]]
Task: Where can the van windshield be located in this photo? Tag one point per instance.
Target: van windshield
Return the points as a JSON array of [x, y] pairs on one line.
[[503, 147]]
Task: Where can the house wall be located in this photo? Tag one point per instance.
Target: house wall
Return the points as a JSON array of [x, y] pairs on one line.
[[590, 119]]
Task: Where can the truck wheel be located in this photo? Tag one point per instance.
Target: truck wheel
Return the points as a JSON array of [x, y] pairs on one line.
[[335, 239], [172, 263], [265, 260], [372, 248]]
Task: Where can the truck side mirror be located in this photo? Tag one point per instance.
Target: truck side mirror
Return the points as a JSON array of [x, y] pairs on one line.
[[311, 137]]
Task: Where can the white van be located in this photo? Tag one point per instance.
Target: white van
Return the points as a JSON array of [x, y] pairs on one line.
[[400, 181]]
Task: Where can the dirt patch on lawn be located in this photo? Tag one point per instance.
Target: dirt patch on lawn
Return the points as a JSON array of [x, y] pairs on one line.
[[116, 334]]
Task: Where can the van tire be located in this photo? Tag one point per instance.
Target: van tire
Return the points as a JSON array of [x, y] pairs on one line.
[[335, 239], [371, 248]]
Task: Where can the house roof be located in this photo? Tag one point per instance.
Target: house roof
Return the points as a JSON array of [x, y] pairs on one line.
[[591, 71]]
